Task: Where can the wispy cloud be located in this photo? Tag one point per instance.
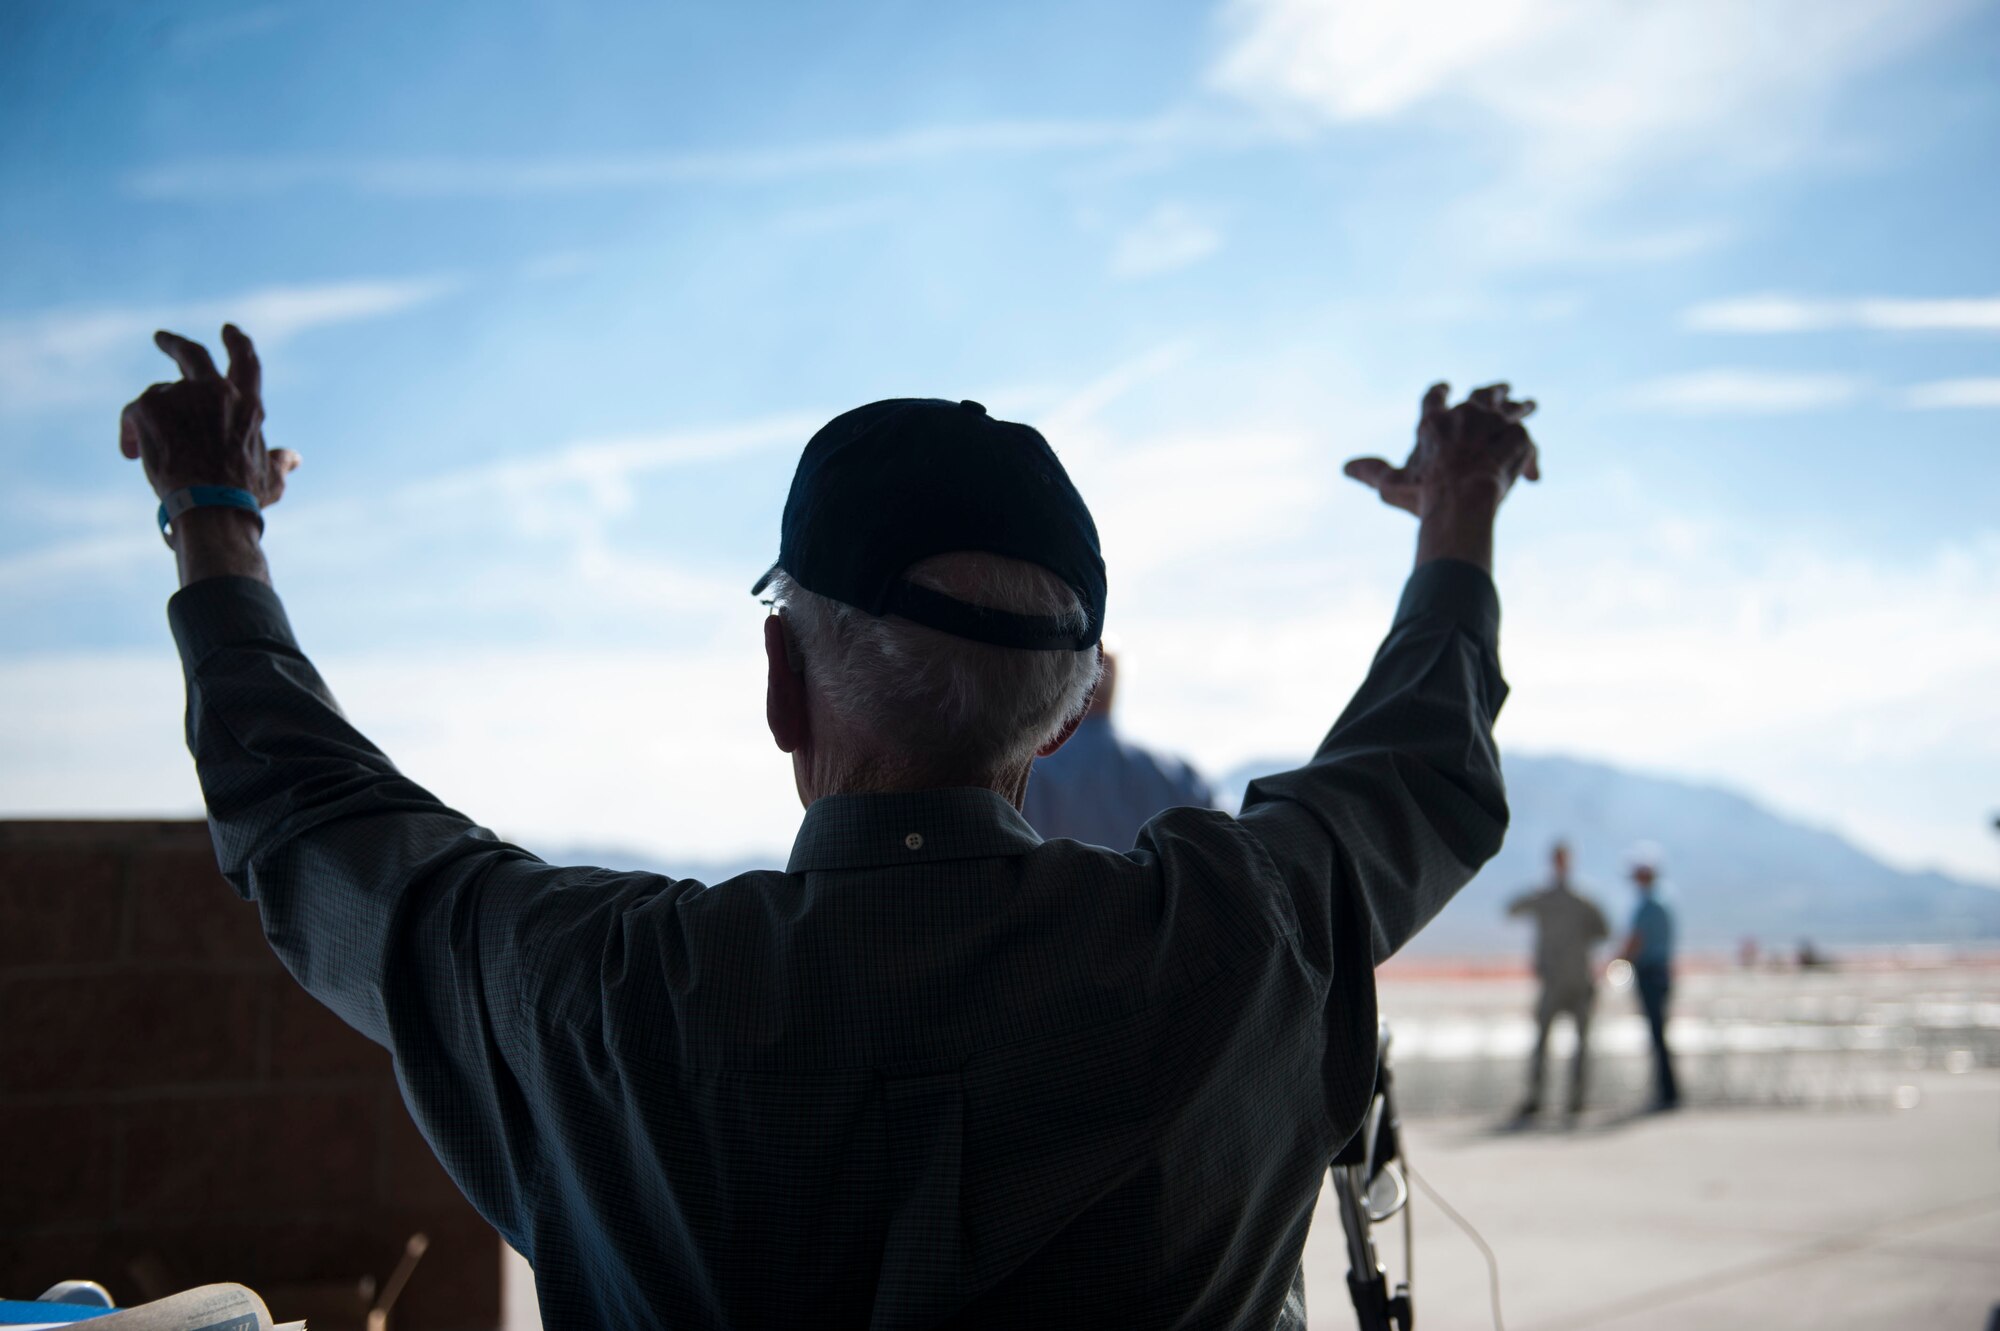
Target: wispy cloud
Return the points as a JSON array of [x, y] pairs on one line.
[[1735, 392], [198, 35], [76, 560], [1070, 418], [1171, 236], [1796, 314], [1357, 62], [1943, 394], [281, 312], [61, 356], [571, 491], [1614, 76], [1583, 99], [574, 488], [507, 176]]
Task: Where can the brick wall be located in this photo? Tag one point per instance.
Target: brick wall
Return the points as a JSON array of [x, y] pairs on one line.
[[167, 1089]]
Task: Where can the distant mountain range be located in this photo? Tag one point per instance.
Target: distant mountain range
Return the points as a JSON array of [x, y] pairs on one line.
[[1734, 868]]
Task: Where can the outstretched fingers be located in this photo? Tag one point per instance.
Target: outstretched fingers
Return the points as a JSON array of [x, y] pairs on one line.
[[129, 426], [245, 370], [278, 464], [1373, 472], [192, 357], [1395, 484], [1499, 399], [1520, 458], [1436, 399]]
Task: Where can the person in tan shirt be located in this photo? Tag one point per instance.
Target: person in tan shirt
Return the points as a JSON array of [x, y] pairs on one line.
[[1568, 925]]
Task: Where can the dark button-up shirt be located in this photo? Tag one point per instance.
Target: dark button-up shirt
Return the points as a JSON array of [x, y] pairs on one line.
[[937, 1070], [1100, 789]]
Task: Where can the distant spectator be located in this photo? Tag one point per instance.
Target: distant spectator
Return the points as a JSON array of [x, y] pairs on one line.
[[1650, 949], [1101, 790], [1568, 926]]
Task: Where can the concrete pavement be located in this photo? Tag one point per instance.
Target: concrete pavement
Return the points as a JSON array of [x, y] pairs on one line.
[[1764, 1218]]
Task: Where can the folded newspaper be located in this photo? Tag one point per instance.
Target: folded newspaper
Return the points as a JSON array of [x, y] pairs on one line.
[[204, 1308]]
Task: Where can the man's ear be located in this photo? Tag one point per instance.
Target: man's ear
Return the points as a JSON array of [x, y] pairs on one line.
[[785, 694]]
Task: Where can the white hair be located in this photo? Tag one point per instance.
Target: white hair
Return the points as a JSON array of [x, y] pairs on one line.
[[933, 707]]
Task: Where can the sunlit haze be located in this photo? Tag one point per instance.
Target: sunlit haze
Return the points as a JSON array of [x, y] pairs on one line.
[[551, 296]]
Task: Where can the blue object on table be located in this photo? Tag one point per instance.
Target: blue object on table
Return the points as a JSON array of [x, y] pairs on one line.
[[20, 1312]]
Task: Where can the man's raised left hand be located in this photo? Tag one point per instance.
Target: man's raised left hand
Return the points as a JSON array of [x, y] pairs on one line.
[[207, 428]]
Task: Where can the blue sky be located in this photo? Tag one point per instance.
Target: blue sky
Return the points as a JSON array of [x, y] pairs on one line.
[[550, 296]]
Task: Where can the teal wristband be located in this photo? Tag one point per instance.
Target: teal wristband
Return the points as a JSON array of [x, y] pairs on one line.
[[205, 496]]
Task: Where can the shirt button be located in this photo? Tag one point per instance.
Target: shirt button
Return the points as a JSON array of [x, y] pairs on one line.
[[915, 841]]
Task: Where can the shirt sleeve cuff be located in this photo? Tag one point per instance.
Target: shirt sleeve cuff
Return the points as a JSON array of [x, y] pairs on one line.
[[226, 612], [1454, 590]]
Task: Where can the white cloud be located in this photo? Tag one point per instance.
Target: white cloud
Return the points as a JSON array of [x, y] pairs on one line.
[[1616, 76], [1730, 392], [1793, 314], [603, 469], [62, 356], [1365, 61], [1854, 692], [1169, 237], [659, 751], [84, 558], [1947, 393], [278, 313], [1579, 99], [1069, 418], [505, 176], [569, 491], [1851, 693]]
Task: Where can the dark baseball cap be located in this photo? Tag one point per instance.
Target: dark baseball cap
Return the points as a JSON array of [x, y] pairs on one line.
[[886, 485]]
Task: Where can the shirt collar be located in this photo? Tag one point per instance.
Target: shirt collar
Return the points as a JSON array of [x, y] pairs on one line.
[[910, 827]]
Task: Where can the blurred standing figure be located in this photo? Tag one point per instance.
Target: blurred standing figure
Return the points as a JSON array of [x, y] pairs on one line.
[[1100, 790], [1650, 949], [1568, 926]]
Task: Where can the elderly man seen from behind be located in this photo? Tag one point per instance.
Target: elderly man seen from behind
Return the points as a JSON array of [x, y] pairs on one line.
[[934, 1071]]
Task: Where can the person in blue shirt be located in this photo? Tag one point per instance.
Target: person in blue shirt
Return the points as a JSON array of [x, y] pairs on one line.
[[1650, 949], [1100, 789]]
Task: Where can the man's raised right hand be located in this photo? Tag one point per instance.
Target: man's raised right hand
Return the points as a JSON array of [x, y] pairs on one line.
[[1465, 461]]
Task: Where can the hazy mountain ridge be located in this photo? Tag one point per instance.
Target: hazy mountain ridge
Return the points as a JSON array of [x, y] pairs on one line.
[[1734, 868]]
